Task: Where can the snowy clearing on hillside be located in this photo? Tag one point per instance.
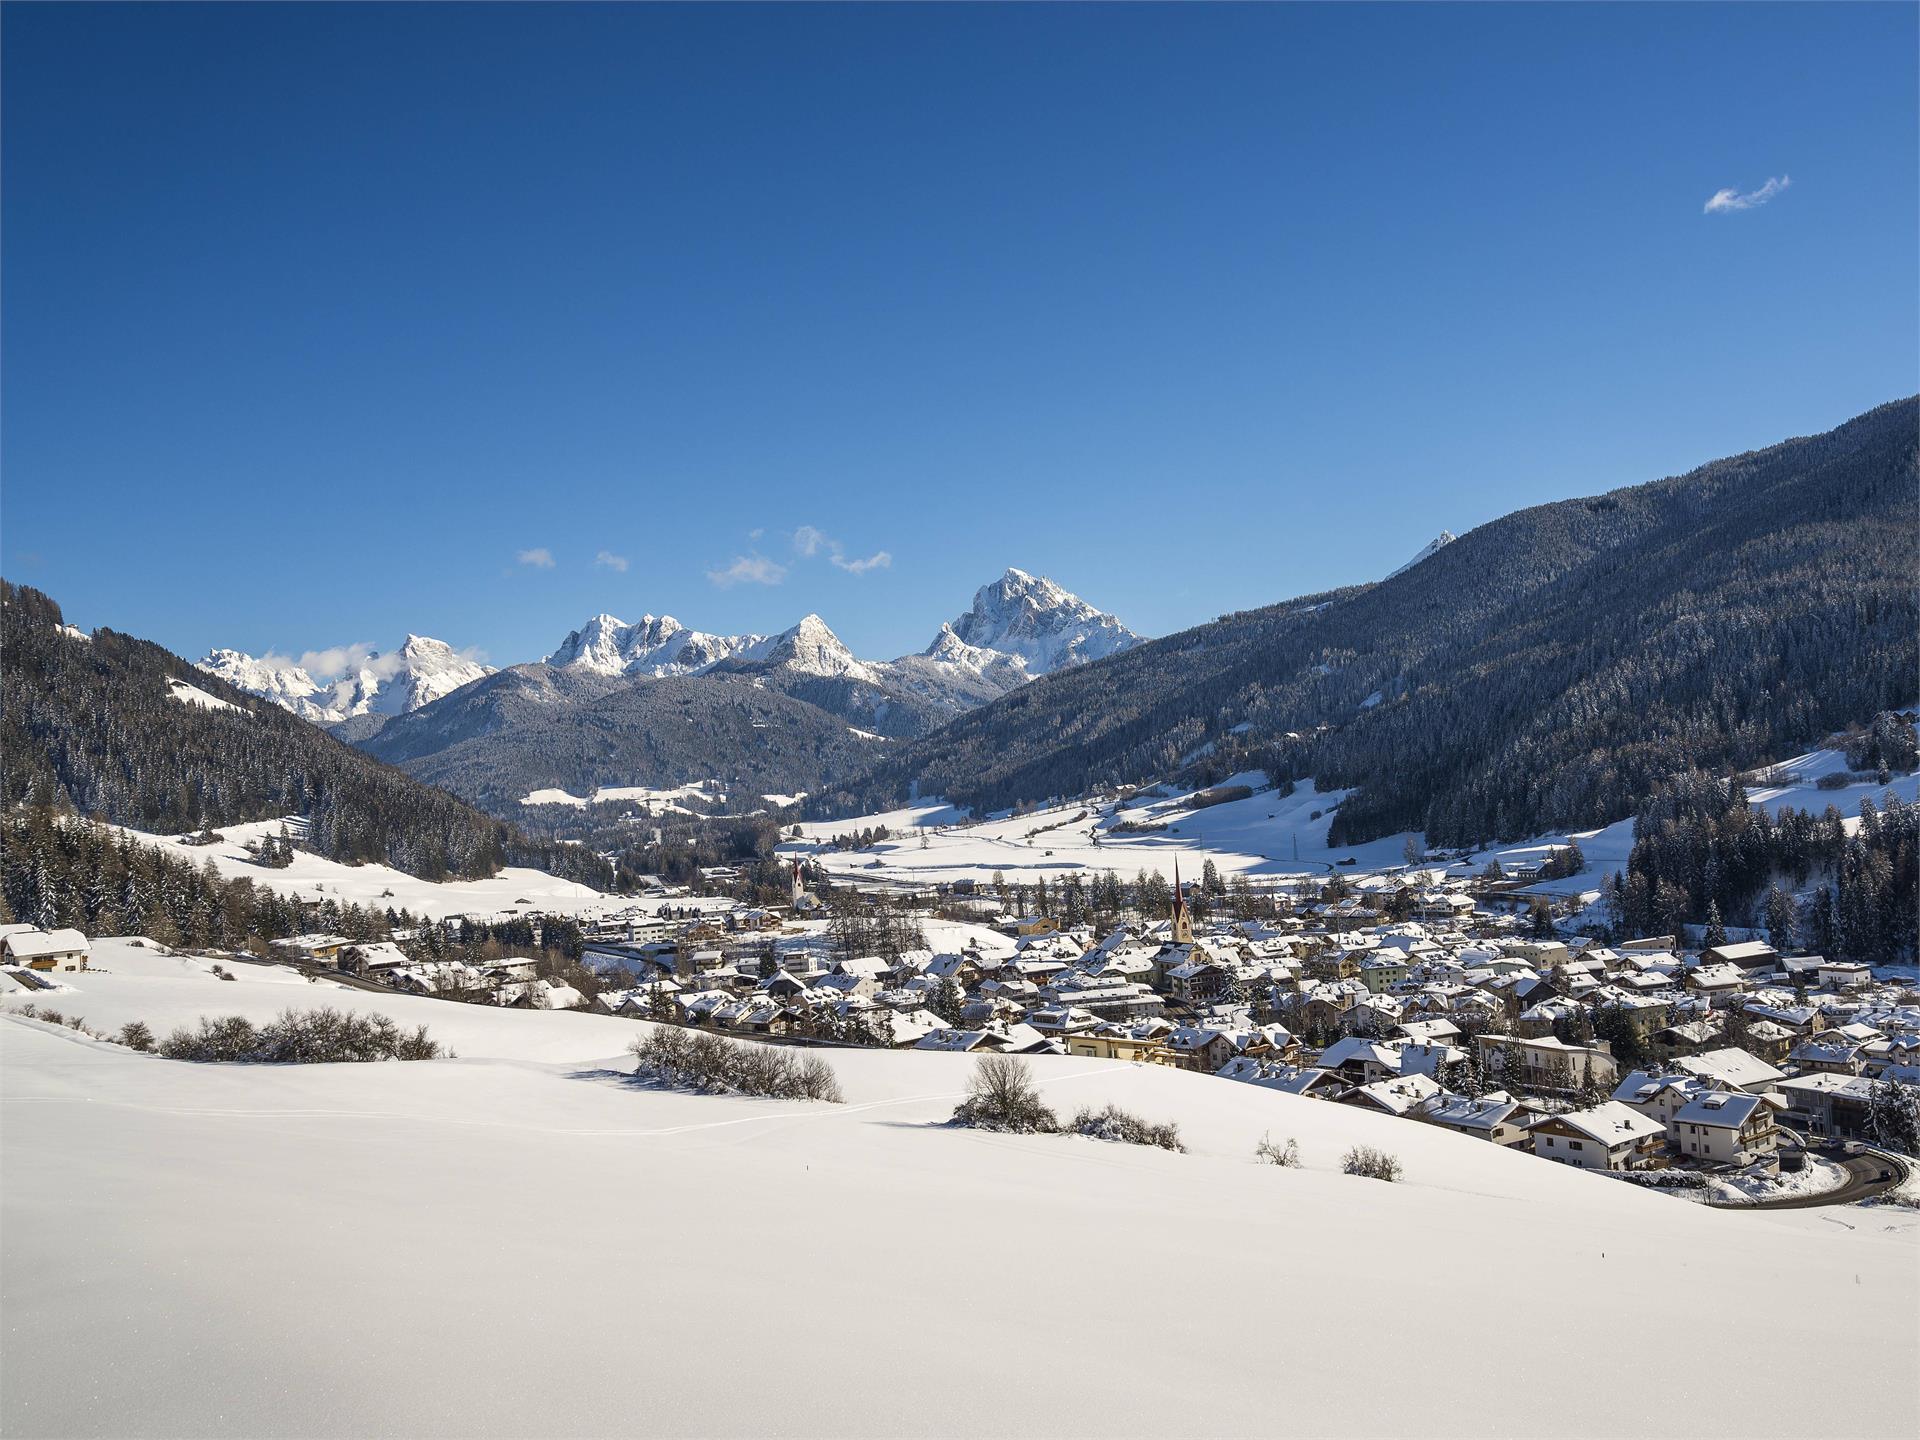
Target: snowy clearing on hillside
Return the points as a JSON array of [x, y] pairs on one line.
[[1265, 834], [312, 877], [647, 797], [421, 1249], [193, 695]]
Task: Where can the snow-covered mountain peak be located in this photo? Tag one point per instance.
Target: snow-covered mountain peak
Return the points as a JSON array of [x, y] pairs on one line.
[[812, 647], [284, 683], [1043, 625], [1427, 551], [652, 645], [418, 673]]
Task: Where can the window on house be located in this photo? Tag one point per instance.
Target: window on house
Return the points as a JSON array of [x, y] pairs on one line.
[[1573, 1144]]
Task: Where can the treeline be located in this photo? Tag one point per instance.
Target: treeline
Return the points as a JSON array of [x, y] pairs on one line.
[[93, 722], [1542, 673], [63, 871], [1703, 855]]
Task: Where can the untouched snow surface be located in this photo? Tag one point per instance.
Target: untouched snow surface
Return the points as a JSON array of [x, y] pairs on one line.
[[441, 1248], [312, 877], [1265, 834]]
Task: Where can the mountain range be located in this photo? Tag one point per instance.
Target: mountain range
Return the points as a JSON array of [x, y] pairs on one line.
[[656, 701], [418, 673], [1544, 671]]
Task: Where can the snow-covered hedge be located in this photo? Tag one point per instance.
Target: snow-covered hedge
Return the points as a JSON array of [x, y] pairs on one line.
[[700, 1060]]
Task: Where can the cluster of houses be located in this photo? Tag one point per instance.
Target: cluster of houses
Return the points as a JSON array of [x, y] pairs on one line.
[[1620, 1057]]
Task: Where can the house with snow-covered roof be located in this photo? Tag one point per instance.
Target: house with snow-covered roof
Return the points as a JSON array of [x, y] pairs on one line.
[[1609, 1136], [1495, 1117], [46, 950], [1725, 1127], [1732, 1068]]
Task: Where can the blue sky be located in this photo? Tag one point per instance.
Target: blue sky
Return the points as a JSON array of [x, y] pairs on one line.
[[322, 324]]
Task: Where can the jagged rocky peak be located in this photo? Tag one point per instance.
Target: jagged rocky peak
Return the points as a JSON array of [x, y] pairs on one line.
[[1044, 625], [811, 646], [652, 645], [421, 671]]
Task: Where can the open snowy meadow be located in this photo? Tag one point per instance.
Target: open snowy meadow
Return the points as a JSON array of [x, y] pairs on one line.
[[524, 1241]]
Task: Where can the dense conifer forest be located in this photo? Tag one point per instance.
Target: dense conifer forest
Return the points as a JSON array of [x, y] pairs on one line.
[[90, 722], [1545, 672]]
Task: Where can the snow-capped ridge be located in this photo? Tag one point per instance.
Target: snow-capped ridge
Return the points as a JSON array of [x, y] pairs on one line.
[[1428, 551], [421, 671], [1038, 622]]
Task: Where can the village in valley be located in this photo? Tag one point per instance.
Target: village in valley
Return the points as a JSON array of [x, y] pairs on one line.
[[1440, 992]]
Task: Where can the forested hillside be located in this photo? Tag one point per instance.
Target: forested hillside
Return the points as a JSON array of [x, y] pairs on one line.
[[1543, 672], [93, 722], [532, 727]]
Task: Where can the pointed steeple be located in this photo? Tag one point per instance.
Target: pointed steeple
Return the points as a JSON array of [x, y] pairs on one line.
[[1182, 922]]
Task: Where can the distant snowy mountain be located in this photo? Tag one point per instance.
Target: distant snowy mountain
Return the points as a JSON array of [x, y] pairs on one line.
[[418, 673], [654, 645], [287, 685], [1427, 551], [1033, 620], [656, 701], [1020, 626]]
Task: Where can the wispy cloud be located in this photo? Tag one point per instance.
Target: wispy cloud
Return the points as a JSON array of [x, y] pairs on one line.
[[335, 660], [749, 570], [539, 558], [879, 560], [811, 540], [1722, 201], [611, 561]]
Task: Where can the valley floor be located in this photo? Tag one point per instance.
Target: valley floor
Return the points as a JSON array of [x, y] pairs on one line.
[[523, 1241]]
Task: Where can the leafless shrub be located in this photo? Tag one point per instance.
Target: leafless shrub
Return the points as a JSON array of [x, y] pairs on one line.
[[1001, 1096], [1372, 1163], [1113, 1123], [300, 1037], [700, 1060], [1286, 1156]]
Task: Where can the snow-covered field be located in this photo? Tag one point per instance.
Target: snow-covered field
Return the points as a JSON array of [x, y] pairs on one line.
[[313, 877], [523, 1242], [1265, 835], [668, 801]]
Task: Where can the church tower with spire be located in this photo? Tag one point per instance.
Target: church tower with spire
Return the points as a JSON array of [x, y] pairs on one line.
[[1182, 921]]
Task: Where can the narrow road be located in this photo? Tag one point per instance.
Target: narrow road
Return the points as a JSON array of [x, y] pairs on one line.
[[1863, 1183]]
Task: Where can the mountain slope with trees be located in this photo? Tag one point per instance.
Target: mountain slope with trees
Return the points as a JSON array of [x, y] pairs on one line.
[[1543, 672], [535, 727], [122, 730]]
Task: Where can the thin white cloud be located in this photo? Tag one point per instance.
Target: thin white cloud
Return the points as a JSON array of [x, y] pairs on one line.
[[748, 570], [611, 561], [539, 558], [879, 560], [336, 660], [1723, 201], [811, 540]]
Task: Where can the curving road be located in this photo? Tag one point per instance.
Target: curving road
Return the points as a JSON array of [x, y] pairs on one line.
[[1863, 1183]]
